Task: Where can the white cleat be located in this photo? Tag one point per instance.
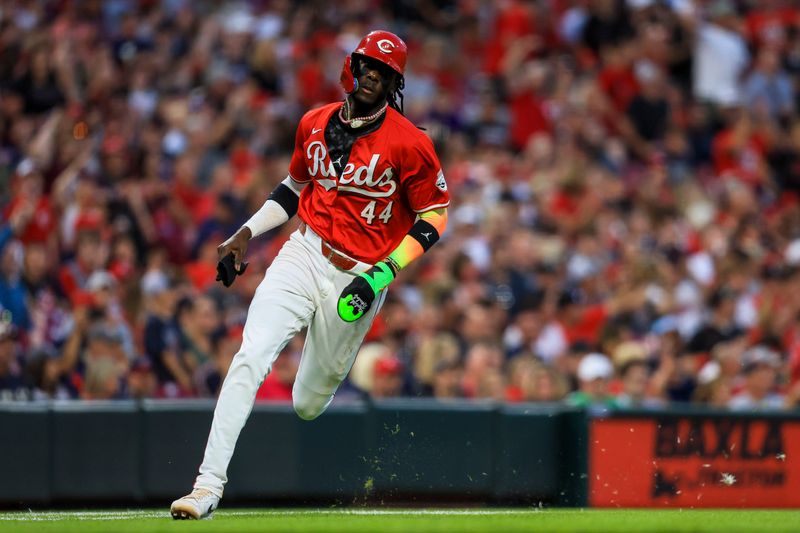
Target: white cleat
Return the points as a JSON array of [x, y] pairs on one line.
[[197, 505]]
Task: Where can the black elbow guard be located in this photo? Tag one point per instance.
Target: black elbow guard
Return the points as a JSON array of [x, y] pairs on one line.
[[286, 198], [424, 233]]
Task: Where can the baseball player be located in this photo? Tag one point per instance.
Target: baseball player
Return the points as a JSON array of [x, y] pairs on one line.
[[370, 192]]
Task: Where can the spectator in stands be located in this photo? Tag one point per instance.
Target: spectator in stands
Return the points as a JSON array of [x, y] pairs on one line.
[[725, 364], [48, 317], [594, 373], [90, 255], [548, 385], [12, 289], [447, 380], [531, 381], [102, 290], [103, 361], [45, 376], [103, 380], [716, 393], [141, 382], [40, 86], [721, 325], [12, 384], [520, 378], [30, 211], [619, 173], [435, 351], [760, 367], [161, 337], [648, 112], [387, 377], [209, 377], [609, 22], [198, 325], [636, 386], [492, 385], [278, 384], [721, 56], [483, 363], [768, 88]]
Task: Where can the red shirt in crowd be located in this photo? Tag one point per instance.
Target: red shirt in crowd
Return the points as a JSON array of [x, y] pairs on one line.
[[588, 326], [738, 158], [770, 27], [41, 224], [620, 85], [528, 117], [274, 390]]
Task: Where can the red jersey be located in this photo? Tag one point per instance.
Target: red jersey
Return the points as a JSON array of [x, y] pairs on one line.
[[392, 174]]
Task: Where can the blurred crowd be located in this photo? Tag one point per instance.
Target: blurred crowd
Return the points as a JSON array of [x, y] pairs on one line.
[[625, 181]]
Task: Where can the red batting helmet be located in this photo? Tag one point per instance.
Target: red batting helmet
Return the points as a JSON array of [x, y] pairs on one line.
[[385, 47], [382, 46]]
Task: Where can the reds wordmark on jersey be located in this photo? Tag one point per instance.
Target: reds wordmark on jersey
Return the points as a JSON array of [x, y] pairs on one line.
[[392, 174]]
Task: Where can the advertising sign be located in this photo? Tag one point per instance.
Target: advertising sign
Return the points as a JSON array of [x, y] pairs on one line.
[[694, 461]]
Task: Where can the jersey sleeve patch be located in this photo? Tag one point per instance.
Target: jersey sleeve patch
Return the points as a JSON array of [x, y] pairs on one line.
[[441, 184], [422, 177]]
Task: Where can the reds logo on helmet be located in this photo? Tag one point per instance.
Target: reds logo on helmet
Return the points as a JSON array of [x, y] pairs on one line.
[[386, 46], [383, 46]]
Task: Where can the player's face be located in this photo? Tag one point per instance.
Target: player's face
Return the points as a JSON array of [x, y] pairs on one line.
[[374, 81]]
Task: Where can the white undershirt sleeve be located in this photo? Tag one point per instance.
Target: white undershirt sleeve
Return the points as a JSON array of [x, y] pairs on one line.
[[272, 214]]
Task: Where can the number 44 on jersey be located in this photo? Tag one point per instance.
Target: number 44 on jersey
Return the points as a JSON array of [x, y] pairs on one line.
[[369, 212]]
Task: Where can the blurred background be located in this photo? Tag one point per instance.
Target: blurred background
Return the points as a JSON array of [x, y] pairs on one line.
[[625, 219]]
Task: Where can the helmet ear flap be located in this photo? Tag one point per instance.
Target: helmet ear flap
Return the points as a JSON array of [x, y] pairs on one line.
[[347, 79]]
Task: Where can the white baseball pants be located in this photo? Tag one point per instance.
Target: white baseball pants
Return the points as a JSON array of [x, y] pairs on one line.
[[301, 288]]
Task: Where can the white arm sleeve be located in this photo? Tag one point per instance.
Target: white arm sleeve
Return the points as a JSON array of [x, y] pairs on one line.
[[272, 214]]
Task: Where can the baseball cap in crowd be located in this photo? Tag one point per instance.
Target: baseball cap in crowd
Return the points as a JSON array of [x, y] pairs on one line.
[[580, 267], [238, 21], [758, 356], [595, 366], [99, 280], [792, 253], [388, 365], [154, 282], [629, 351], [363, 371]]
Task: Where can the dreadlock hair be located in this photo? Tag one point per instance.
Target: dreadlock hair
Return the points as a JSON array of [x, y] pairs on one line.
[[392, 97]]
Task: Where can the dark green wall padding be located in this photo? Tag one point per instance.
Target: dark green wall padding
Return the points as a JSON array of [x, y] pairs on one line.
[[398, 450]]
